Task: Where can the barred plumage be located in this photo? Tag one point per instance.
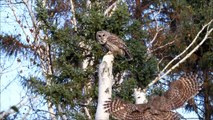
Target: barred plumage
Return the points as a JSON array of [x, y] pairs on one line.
[[113, 43], [158, 107]]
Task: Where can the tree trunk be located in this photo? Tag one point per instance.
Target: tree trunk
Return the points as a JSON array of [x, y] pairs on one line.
[[104, 85], [207, 106]]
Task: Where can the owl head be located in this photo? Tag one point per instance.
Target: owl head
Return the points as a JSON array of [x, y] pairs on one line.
[[101, 36]]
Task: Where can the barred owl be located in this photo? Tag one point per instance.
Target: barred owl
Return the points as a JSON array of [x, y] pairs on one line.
[[113, 43], [158, 107]]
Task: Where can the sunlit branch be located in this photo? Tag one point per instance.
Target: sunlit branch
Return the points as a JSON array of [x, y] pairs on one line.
[[195, 39], [73, 15], [63, 116], [158, 29], [109, 11], [187, 56], [167, 44]]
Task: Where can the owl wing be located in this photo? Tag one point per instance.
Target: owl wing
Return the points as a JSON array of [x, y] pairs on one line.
[[116, 41], [180, 91], [123, 111], [126, 111], [159, 108], [112, 39], [118, 109]]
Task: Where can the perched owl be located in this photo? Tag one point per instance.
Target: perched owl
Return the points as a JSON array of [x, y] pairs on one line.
[[113, 43], [158, 107]]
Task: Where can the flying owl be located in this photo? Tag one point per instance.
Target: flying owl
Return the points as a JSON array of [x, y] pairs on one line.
[[158, 107], [113, 43]]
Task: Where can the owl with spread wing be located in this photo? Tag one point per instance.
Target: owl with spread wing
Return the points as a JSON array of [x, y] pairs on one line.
[[158, 107], [113, 43]]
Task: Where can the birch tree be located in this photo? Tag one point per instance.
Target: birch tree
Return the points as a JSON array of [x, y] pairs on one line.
[[58, 39]]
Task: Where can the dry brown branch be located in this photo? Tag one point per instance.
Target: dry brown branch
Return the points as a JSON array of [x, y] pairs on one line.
[[160, 47], [158, 29]]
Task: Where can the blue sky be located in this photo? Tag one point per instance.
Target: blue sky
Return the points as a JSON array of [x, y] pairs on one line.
[[11, 90]]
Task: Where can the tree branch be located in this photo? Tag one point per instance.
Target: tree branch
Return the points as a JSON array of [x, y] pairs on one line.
[[195, 39], [73, 14], [187, 56], [109, 11]]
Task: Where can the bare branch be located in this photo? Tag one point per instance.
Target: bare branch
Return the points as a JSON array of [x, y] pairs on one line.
[[88, 61], [17, 20], [160, 47], [158, 29], [89, 4], [109, 11], [32, 16], [63, 116], [195, 39], [187, 56], [87, 110], [73, 15], [26, 114], [21, 103]]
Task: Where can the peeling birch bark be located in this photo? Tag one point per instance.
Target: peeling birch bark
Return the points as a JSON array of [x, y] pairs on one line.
[[105, 85], [140, 96]]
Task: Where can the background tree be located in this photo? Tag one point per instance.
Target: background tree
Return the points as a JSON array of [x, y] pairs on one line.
[[59, 38]]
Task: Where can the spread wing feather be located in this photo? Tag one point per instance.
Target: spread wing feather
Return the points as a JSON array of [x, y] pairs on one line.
[[159, 107]]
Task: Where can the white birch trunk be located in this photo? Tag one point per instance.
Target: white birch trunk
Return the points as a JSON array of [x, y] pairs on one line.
[[87, 62], [105, 85], [140, 96]]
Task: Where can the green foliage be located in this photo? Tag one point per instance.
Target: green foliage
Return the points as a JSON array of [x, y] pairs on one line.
[[67, 53], [141, 68], [190, 18], [126, 90], [67, 85], [207, 60]]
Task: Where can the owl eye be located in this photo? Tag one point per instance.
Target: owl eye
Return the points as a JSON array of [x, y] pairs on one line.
[[103, 34], [99, 35]]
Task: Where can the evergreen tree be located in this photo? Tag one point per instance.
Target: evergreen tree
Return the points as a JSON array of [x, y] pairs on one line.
[[63, 39]]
